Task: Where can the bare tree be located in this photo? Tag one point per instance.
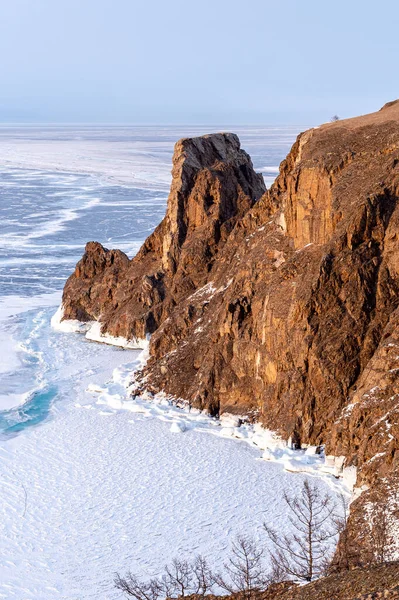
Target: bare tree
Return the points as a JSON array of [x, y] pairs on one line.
[[133, 587], [180, 579], [245, 573], [334, 118], [302, 554], [202, 576]]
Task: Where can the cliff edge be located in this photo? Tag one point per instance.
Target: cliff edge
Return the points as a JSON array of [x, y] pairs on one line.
[[281, 303]]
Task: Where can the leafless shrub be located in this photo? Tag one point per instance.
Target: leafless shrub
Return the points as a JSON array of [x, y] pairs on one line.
[[302, 554], [244, 571], [334, 118]]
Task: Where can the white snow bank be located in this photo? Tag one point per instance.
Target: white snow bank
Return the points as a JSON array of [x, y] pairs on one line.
[[120, 394], [349, 475], [177, 427], [69, 325], [94, 334], [92, 331]]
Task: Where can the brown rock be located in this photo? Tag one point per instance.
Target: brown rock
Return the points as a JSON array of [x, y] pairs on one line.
[[358, 584], [281, 304]]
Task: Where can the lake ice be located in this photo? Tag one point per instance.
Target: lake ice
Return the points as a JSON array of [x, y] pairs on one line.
[[91, 484]]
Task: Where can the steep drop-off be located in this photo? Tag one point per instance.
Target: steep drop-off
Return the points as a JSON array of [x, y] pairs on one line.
[[282, 304]]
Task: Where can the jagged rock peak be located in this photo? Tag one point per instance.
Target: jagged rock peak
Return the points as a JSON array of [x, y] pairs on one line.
[[205, 150], [213, 182]]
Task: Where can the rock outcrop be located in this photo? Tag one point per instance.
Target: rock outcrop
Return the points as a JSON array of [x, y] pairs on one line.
[[282, 304], [213, 186], [372, 583]]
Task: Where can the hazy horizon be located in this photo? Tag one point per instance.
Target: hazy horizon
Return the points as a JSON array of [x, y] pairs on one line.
[[123, 62]]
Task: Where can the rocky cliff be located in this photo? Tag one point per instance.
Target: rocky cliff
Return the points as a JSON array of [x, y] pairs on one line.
[[283, 303]]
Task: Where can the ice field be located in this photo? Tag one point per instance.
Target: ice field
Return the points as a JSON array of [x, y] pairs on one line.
[[92, 482]]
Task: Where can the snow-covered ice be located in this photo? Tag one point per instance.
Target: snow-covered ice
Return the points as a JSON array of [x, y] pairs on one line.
[[136, 156], [111, 483]]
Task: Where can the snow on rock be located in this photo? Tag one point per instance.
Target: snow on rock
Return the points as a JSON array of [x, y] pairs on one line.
[[92, 331], [312, 450], [265, 439], [229, 420], [349, 476], [227, 431], [94, 334], [69, 326]]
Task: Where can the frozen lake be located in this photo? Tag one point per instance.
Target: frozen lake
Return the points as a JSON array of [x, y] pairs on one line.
[[87, 487]]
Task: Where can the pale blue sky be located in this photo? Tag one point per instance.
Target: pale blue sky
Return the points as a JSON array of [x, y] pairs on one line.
[[208, 61]]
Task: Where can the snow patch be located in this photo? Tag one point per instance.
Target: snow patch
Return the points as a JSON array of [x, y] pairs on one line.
[[177, 427], [94, 334], [349, 476], [281, 222], [92, 331], [67, 325]]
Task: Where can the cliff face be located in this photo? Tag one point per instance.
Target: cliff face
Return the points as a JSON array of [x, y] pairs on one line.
[[282, 303]]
